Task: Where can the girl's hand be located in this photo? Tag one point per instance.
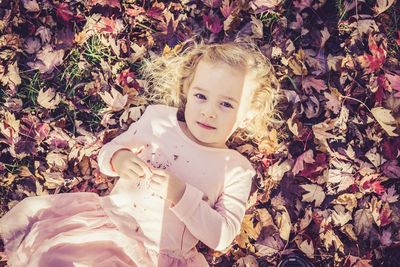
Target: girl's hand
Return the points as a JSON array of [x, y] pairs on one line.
[[128, 164], [167, 185]]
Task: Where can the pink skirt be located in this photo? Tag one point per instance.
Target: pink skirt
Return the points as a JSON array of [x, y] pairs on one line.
[[73, 229]]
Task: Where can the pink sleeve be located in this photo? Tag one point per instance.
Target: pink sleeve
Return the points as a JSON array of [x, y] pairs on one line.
[[124, 140], [216, 227]]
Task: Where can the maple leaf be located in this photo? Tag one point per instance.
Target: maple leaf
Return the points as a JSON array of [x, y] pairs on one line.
[[32, 45], [64, 13], [260, 6], [349, 200], [333, 103], [385, 119], [115, 100], [391, 169], [212, 3], [311, 81], [394, 82], [382, 5], [363, 222], [31, 5], [283, 223], [12, 77], [390, 196], [9, 127], [331, 239], [384, 215], [374, 61], [314, 192], [386, 238], [306, 157], [110, 3], [248, 260], [212, 22], [227, 8], [48, 99], [340, 216], [47, 59], [109, 25], [271, 245], [305, 245], [277, 170]]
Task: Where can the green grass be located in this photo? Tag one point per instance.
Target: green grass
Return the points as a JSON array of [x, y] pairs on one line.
[[95, 51], [30, 87]]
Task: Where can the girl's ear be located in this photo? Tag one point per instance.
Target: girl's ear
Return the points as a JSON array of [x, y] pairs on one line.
[[249, 116]]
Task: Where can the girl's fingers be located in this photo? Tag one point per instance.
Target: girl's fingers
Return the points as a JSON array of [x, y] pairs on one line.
[[159, 172], [145, 170], [133, 167]]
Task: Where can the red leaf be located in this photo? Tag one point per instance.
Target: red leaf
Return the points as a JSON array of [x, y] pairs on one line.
[[394, 81], [375, 61], [385, 215], [156, 11], [212, 3], [110, 3], [390, 148], [64, 13], [226, 8], [213, 23]]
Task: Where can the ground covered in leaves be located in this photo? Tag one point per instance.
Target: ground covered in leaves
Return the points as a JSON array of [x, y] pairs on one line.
[[69, 83]]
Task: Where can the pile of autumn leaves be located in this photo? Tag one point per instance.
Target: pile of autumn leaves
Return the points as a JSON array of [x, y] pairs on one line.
[[328, 191]]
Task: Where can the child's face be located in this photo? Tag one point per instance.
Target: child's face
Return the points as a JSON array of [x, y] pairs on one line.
[[208, 103]]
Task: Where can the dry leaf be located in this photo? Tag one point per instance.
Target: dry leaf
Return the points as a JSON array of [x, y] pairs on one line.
[[116, 101], [314, 192], [48, 99], [382, 6], [385, 119]]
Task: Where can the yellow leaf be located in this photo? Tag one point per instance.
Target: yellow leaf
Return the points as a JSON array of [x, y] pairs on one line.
[[48, 99], [315, 192], [384, 118], [284, 224], [115, 100], [382, 6]]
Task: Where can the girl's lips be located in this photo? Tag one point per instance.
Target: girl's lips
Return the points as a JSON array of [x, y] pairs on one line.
[[205, 127]]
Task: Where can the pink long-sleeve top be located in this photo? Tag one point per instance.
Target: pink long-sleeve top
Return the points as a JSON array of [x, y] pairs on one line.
[[218, 183]]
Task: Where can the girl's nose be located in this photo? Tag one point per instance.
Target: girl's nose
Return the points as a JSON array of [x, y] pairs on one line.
[[209, 112]]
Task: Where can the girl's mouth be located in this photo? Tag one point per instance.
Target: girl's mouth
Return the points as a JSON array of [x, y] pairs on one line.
[[205, 126]]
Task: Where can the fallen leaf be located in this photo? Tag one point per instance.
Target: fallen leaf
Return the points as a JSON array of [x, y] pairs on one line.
[[115, 100], [385, 119], [363, 222], [48, 99], [47, 59], [382, 5], [314, 193]]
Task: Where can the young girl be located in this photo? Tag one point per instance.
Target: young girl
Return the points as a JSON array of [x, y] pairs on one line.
[[179, 182]]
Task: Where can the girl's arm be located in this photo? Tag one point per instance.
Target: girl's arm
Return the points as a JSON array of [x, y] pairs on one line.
[[126, 140], [216, 227]]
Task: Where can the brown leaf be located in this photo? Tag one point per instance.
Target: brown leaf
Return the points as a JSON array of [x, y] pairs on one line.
[[363, 222], [48, 99], [47, 59]]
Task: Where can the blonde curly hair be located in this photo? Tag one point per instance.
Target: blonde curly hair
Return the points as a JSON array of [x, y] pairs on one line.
[[170, 75]]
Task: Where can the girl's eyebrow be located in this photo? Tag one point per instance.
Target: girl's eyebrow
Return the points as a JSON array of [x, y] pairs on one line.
[[227, 97]]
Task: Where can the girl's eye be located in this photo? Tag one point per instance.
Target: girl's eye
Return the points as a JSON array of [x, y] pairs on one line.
[[201, 96], [228, 106]]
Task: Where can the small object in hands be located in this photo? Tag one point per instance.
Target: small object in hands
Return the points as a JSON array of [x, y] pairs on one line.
[[295, 260]]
